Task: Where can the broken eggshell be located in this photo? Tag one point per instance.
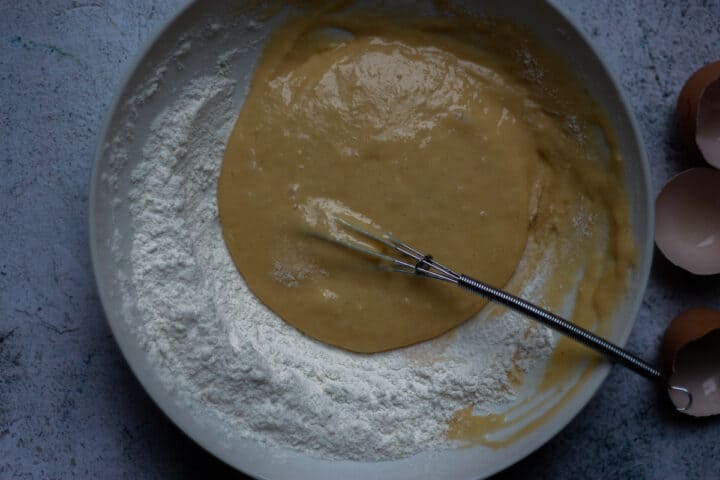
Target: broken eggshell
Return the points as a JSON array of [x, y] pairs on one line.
[[687, 226], [698, 113], [691, 353]]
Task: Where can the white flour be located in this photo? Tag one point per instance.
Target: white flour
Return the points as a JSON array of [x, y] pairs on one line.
[[216, 346]]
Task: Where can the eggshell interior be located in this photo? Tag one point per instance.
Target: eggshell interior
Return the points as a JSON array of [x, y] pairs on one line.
[[707, 133], [697, 369], [687, 228], [687, 326]]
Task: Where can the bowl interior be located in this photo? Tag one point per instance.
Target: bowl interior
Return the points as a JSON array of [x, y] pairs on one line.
[[216, 27]]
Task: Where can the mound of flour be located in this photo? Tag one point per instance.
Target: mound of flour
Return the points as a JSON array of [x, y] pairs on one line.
[[217, 347]]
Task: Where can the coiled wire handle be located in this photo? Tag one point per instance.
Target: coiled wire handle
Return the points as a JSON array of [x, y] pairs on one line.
[[577, 333], [563, 326]]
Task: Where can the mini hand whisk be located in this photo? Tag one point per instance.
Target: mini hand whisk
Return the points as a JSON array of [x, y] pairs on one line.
[[405, 259]]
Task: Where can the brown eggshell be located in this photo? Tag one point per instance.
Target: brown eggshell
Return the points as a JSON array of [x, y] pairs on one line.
[[691, 352], [707, 130], [687, 225], [686, 327], [689, 103]]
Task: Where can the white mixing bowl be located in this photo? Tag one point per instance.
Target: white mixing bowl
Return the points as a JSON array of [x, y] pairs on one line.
[[214, 28]]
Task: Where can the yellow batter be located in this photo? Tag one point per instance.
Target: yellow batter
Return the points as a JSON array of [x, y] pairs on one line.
[[459, 137]]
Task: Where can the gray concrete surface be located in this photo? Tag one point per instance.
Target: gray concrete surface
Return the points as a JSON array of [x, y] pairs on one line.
[[69, 406]]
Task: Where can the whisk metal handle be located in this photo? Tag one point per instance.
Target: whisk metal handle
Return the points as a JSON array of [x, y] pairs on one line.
[[555, 322]]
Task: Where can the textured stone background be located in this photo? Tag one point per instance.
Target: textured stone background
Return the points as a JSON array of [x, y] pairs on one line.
[[69, 406]]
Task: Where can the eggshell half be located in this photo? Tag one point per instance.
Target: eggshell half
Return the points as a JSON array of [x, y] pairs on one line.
[[691, 353], [684, 328], [687, 227], [698, 112], [707, 130]]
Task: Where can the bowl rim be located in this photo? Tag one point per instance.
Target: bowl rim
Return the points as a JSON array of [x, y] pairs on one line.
[[151, 387]]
